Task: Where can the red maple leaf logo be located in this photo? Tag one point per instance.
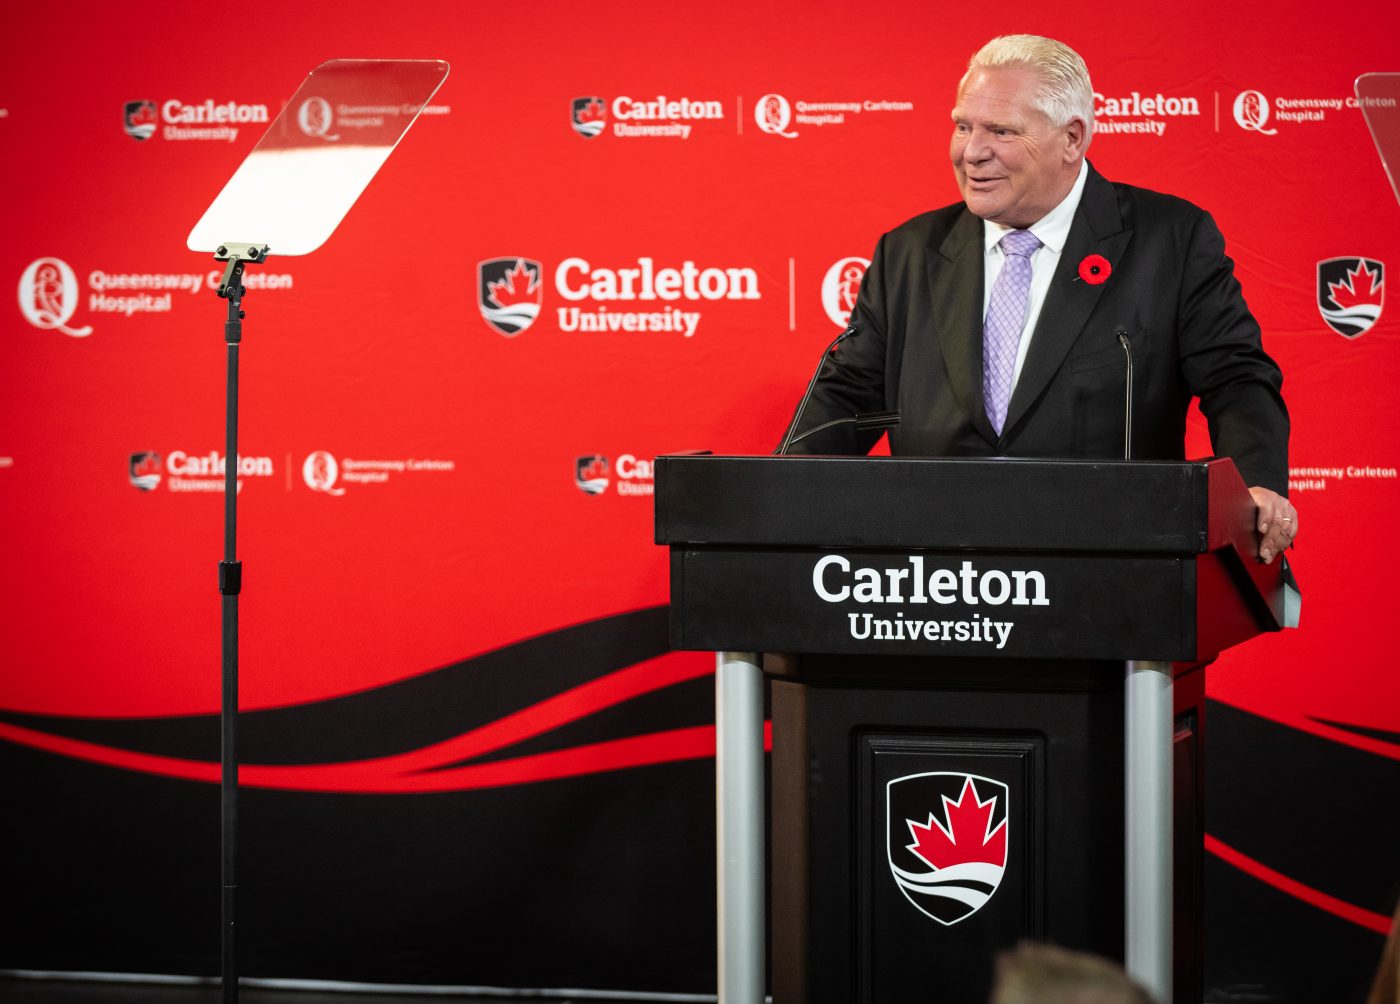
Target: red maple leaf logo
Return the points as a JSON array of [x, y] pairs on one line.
[[596, 468], [505, 293], [967, 838], [145, 115], [148, 465], [591, 112], [1350, 293]]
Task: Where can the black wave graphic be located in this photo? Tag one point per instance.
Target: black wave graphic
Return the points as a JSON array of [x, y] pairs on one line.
[[1384, 735], [436, 706], [1323, 813]]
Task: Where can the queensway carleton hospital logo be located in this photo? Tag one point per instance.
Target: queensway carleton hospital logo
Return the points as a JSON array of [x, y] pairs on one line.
[[1251, 110], [841, 286], [316, 118], [48, 296], [773, 115], [320, 471]]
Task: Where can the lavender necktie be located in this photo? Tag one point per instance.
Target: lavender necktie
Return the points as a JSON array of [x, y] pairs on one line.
[[1006, 317]]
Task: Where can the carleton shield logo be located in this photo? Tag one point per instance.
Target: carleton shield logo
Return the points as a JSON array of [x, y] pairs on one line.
[[510, 293], [946, 841], [144, 469], [591, 474], [1350, 294], [588, 116], [139, 119]]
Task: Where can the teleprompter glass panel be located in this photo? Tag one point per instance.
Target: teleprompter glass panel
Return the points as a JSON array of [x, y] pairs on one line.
[[1378, 94], [331, 138]]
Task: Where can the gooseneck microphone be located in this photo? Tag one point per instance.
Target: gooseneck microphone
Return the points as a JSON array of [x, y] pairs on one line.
[[863, 421], [788, 440], [1122, 334]]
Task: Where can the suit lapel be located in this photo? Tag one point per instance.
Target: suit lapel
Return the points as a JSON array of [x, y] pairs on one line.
[[955, 275], [1097, 229]]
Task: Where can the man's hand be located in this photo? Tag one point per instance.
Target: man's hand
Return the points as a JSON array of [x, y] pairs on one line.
[[1278, 523]]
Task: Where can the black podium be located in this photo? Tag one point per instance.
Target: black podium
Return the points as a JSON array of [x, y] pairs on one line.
[[987, 680]]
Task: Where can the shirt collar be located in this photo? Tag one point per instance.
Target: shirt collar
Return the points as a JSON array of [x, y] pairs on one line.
[[1053, 228]]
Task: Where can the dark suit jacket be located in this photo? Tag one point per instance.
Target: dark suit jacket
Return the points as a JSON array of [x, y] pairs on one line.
[[919, 350]]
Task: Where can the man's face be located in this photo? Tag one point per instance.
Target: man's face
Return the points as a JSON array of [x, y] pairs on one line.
[[1012, 166]]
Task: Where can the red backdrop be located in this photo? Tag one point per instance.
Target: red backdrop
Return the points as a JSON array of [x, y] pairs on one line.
[[374, 349]]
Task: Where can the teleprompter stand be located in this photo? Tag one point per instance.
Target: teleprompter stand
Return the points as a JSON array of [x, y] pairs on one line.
[[292, 190], [231, 288], [987, 684]]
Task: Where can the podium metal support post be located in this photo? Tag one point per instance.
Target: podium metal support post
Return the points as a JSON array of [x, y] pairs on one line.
[[739, 829], [1147, 833]]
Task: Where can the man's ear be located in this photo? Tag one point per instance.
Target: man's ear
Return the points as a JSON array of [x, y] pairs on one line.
[[1076, 139]]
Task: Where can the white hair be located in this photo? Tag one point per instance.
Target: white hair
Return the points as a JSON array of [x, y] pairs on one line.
[[1064, 93]]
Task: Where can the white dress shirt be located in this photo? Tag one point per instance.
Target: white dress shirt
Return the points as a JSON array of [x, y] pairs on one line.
[[1052, 231]]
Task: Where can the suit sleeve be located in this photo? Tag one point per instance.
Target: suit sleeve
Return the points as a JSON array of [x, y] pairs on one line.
[[852, 377], [1225, 365]]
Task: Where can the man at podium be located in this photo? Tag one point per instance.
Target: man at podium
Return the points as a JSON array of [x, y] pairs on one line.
[[1007, 323]]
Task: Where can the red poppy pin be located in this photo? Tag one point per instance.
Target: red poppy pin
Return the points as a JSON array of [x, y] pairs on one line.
[[1095, 269]]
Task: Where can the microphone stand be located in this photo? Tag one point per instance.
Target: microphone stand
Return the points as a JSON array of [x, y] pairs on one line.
[[230, 585], [1122, 334], [788, 440], [866, 420]]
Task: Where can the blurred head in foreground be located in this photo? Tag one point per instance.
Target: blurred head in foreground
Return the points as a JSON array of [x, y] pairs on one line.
[[1044, 974]]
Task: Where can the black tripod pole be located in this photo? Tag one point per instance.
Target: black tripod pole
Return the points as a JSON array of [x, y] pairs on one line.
[[230, 585]]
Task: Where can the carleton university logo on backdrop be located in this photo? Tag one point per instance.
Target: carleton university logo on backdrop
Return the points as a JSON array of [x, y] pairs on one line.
[[510, 293], [588, 116], [1350, 294], [946, 841], [591, 474], [144, 470], [139, 119]]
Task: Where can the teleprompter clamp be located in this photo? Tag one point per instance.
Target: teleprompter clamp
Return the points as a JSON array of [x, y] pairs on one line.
[[230, 288]]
